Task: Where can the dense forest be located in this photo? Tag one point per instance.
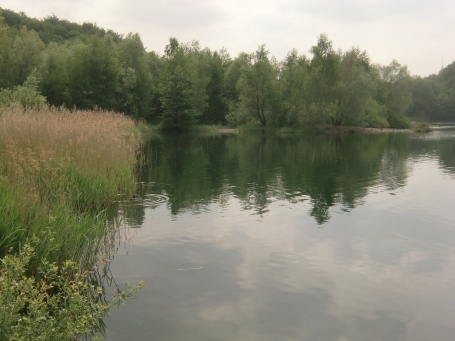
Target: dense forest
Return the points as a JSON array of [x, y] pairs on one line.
[[52, 61]]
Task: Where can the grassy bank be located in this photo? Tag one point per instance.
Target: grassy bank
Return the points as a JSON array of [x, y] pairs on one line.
[[58, 169]]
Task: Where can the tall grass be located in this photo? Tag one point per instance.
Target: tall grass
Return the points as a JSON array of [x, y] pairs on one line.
[[58, 170]]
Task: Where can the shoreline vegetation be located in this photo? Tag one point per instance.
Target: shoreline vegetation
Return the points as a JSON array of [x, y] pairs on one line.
[[85, 66], [325, 129], [59, 170]]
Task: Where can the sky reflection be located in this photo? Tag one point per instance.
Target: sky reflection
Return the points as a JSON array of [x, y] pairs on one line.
[[382, 270]]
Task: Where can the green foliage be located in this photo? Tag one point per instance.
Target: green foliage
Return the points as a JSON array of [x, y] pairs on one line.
[[26, 95], [94, 73], [393, 82], [53, 29], [6, 57], [324, 68], [294, 90], [135, 82], [354, 88], [177, 100], [257, 88], [26, 50], [376, 114], [85, 66], [399, 122], [433, 97], [54, 72], [421, 127], [216, 109], [58, 303]]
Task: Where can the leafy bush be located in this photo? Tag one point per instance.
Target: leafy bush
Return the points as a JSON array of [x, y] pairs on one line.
[[376, 114], [400, 122], [59, 303], [421, 127], [26, 95]]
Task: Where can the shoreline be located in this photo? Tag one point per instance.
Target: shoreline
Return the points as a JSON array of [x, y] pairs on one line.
[[326, 130]]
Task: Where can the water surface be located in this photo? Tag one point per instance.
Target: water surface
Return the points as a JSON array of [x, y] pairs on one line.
[[265, 237]]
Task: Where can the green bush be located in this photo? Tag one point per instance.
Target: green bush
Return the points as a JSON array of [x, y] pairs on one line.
[[26, 95], [421, 127], [376, 114], [58, 303], [400, 122]]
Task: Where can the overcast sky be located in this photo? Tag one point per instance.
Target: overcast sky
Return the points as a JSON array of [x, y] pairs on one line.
[[418, 33]]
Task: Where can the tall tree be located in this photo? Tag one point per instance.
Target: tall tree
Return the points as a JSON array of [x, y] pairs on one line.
[[394, 85], [324, 68], [26, 50], [294, 90], [55, 80], [231, 91], [135, 89], [258, 87], [6, 58], [216, 109], [177, 91], [94, 73], [353, 88], [177, 99]]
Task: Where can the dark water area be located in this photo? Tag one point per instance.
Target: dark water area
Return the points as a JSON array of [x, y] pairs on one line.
[[267, 237]]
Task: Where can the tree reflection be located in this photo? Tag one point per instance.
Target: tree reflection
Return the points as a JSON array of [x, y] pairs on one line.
[[194, 171]]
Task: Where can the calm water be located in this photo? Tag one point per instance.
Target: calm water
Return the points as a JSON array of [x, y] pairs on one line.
[[263, 237]]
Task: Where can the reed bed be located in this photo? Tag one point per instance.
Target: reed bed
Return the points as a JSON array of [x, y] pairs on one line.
[[58, 171]]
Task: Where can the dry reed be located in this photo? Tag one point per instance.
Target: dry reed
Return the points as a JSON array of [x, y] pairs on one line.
[[57, 170]]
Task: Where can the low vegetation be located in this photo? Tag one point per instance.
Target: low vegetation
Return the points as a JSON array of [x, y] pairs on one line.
[[59, 170], [58, 303], [421, 127]]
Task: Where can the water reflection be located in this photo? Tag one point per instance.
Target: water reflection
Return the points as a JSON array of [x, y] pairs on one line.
[[228, 246], [190, 173]]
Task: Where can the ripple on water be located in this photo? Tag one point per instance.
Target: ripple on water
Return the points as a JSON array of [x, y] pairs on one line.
[[148, 200]]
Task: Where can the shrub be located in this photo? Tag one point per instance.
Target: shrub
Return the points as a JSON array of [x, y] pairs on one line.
[[400, 122], [26, 95], [376, 114], [421, 127], [59, 303]]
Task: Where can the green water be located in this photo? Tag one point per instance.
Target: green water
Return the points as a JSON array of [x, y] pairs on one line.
[[265, 237]]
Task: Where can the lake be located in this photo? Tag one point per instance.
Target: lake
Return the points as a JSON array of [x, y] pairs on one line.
[[269, 237]]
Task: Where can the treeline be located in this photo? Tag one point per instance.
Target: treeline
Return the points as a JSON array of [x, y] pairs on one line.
[[84, 66], [433, 97]]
